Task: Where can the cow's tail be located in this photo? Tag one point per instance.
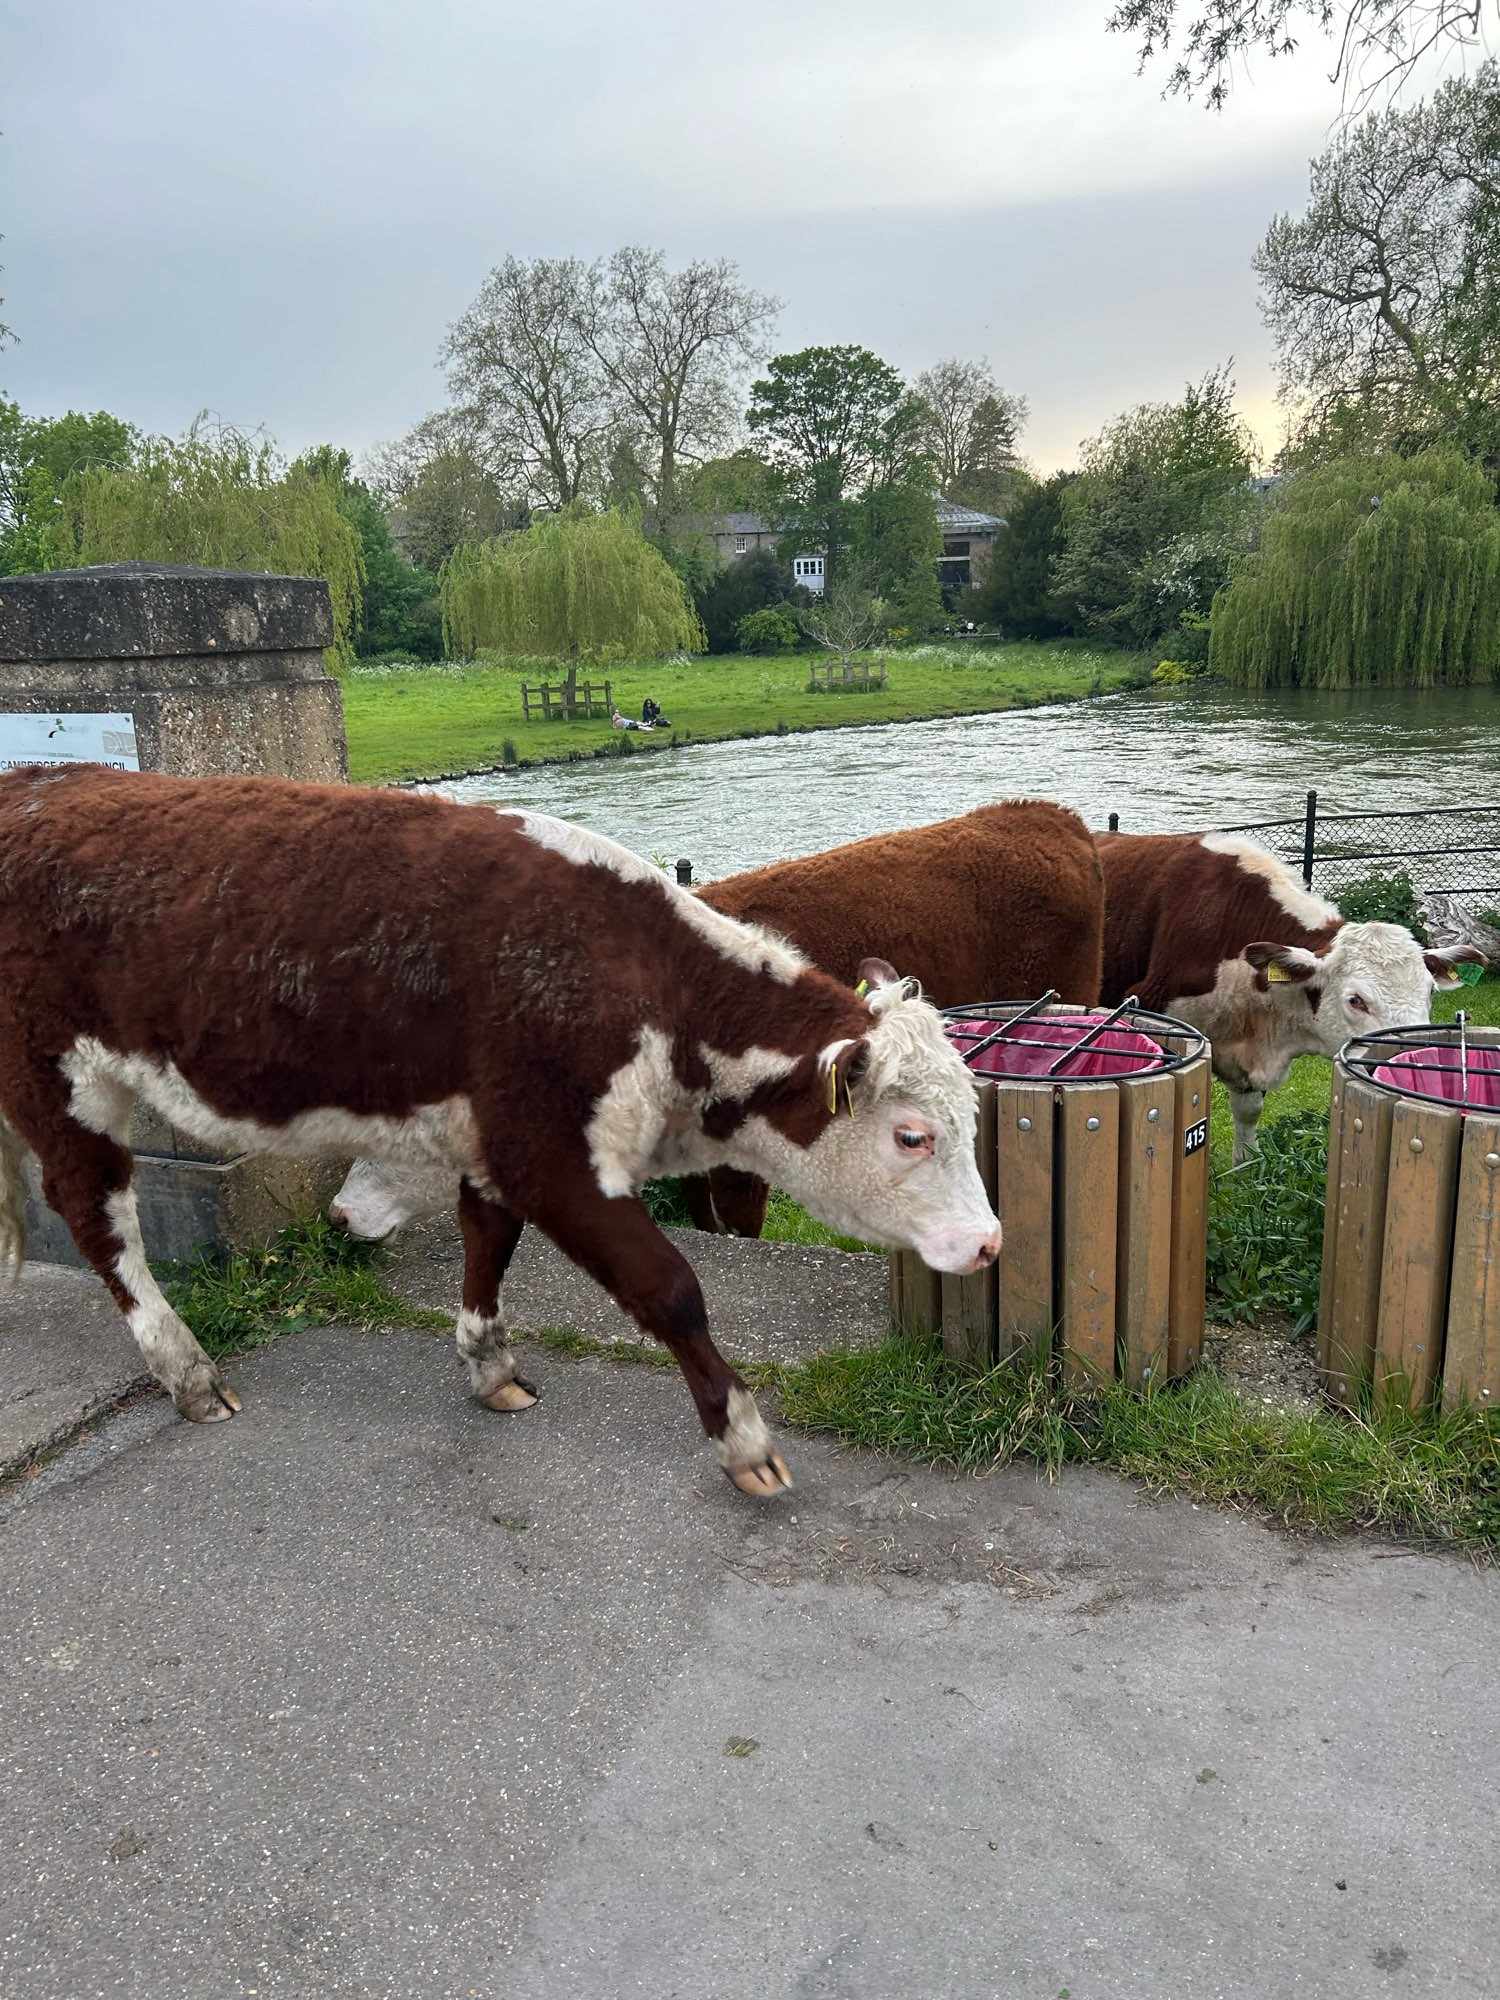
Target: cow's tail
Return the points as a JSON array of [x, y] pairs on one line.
[[12, 1196]]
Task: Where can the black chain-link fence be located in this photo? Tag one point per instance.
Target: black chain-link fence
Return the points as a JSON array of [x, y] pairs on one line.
[[1454, 849]]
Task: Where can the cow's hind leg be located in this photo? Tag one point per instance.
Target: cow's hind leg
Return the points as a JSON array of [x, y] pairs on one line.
[[490, 1234], [617, 1243], [86, 1176]]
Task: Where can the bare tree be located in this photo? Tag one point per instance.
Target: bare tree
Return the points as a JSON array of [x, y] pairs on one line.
[[1385, 293], [1380, 41], [443, 487], [845, 621], [971, 425], [519, 360], [675, 347]]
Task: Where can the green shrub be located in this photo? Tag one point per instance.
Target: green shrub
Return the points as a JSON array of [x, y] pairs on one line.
[[1172, 673], [1265, 1224], [1381, 898], [769, 631], [664, 1204], [507, 750]]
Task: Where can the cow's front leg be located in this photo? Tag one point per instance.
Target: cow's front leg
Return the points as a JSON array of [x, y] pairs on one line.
[[617, 1243], [490, 1235], [1246, 1106]]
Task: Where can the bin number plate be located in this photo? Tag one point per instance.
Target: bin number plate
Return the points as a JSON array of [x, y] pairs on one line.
[[1195, 1138]]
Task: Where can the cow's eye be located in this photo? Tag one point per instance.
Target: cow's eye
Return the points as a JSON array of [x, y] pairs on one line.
[[912, 1141], [1359, 1003]]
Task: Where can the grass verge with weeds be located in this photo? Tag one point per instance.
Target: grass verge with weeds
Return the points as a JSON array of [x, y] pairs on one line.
[[1428, 1476], [313, 1274]]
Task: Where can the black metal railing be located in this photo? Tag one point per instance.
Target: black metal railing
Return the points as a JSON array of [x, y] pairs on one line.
[[1452, 849]]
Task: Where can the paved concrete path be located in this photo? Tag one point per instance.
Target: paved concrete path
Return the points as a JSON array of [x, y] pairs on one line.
[[371, 1693]]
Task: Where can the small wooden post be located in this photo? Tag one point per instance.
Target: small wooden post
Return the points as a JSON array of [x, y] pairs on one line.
[[1356, 1201], [1143, 1277], [1088, 1172], [969, 1304], [1187, 1306], [1028, 1316], [1417, 1247], [1471, 1366]]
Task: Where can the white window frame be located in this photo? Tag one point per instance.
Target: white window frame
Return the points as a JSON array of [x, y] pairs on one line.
[[741, 543]]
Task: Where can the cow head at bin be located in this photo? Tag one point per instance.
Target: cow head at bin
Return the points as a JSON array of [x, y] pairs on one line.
[[1370, 977]]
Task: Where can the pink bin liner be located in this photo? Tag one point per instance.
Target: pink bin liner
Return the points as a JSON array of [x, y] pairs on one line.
[[1022, 1051], [1434, 1071]]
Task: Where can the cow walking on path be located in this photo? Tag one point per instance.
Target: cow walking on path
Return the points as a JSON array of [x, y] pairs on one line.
[[314, 969], [1213, 929]]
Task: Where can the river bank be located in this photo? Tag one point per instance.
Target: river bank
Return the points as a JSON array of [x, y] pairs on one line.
[[465, 719]]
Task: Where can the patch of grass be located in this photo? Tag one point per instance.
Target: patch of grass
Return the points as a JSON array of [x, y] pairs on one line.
[[1428, 1476], [787, 1223], [428, 722], [312, 1274], [1265, 1223]]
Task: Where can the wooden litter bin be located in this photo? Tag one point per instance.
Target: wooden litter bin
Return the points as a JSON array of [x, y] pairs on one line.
[[1410, 1299], [1093, 1143]]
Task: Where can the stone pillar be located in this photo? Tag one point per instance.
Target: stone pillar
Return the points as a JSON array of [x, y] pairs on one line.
[[222, 671], [223, 674]]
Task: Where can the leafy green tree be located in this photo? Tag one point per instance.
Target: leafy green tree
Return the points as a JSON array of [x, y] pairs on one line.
[[1384, 295], [1016, 593], [773, 630], [1375, 572], [970, 431], [730, 594], [1378, 41], [1161, 472], [580, 587], [218, 498], [38, 455], [835, 422], [400, 610], [894, 547]]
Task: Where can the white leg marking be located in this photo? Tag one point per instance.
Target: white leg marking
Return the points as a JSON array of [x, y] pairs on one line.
[[480, 1339], [168, 1347], [746, 1439]]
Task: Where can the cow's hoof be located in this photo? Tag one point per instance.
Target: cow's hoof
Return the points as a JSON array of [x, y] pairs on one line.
[[511, 1396], [762, 1480], [210, 1402]]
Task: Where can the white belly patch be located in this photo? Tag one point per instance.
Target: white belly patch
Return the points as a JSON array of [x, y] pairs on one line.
[[105, 1086]]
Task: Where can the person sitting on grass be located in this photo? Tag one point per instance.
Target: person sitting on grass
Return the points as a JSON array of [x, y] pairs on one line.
[[651, 715]]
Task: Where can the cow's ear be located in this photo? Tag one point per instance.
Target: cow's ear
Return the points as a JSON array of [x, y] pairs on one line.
[[875, 972], [1275, 964], [844, 1071], [1441, 964]]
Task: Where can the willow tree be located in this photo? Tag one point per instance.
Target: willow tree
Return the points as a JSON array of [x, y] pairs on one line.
[[1376, 572], [220, 500], [580, 587]]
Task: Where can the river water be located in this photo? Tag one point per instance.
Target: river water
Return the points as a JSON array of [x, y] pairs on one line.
[[1164, 759]]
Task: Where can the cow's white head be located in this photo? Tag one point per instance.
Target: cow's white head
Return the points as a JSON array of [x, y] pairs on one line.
[[894, 1163], [1372, 976], [377, 1199]]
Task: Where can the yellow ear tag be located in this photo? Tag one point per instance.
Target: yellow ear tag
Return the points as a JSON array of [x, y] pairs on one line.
[[862, 989], [833, 1091], [1278, 972]]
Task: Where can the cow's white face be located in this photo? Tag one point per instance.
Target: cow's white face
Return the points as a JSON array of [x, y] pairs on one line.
[[1373, 976], [376, 1199], [895, 1165]]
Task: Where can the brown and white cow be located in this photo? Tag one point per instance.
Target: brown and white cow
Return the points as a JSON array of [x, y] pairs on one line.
[[314, 969], [1213, 929], [999, 904]]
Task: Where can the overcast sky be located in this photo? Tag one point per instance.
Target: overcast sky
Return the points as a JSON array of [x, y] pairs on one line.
[[273, 210]]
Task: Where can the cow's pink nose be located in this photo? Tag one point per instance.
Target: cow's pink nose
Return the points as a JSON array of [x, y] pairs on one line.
[[336, 1214], [989, 1250]]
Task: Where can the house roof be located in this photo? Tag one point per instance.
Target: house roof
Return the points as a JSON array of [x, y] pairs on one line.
[[956, 520], [727, 524]]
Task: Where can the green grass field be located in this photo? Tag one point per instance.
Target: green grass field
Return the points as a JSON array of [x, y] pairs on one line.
[[439, 721]]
